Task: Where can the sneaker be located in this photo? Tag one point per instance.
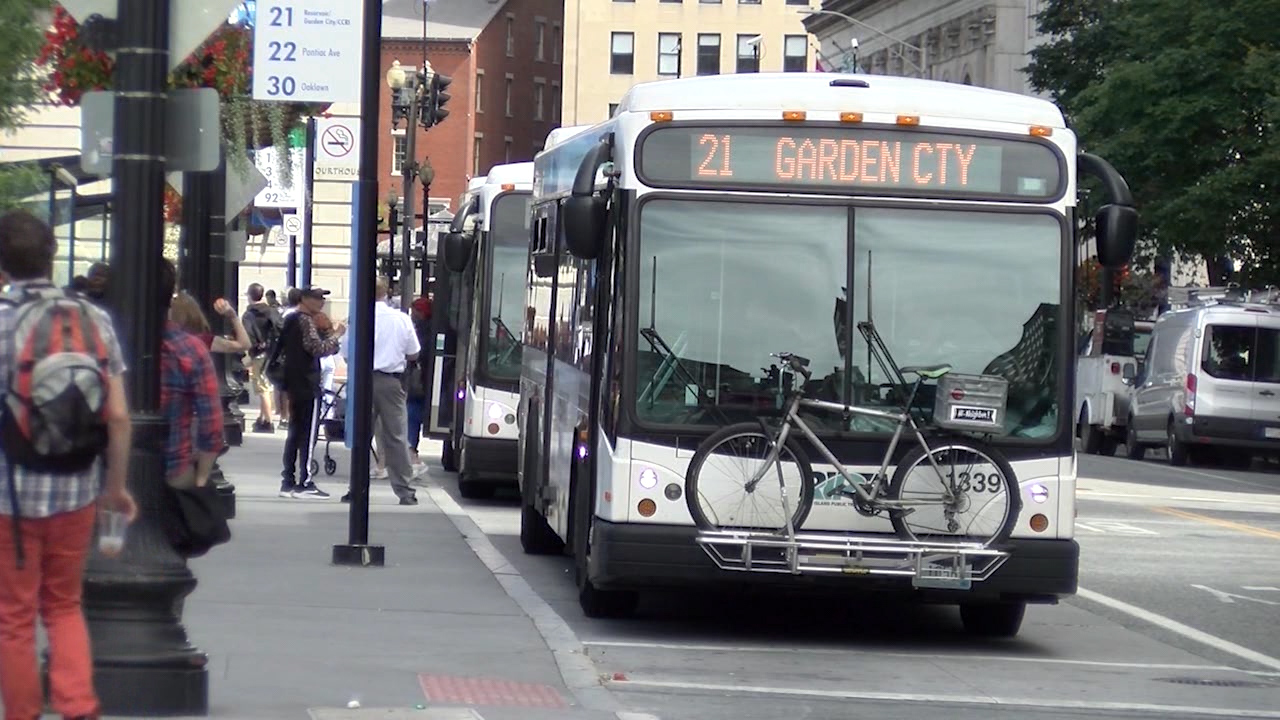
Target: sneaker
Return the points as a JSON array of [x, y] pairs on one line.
[[409, 500], [378, 474], [288, 488], [263, 427], [419, 469], [311, 492], [346, 498]]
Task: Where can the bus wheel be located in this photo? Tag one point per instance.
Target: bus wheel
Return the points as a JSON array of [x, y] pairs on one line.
[[597, 603], [994, 620], [448, 460], [472, 489]]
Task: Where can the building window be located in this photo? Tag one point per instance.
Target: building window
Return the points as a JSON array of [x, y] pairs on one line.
[[540, 41], [622, 53], [511, 81], [555, 44], [613, 109], [475, 150], [749, 53], [539, 96], [669, 54], [795, 53], [798, 2], [708, 54], [555, 103], [399, 148], [511, 36], [709, 2], [506, 149], [479, 91], [748, 2], [671, 1]]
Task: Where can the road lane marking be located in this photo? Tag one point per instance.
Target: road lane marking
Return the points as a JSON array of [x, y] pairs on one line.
[[576, 669], [1211, 476], [1230, 598], [1109, 527], [1178, 628], [1228, 524], [688, 647], [1164, 710]]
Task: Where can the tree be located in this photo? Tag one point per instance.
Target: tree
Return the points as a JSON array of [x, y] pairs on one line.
[[1184, 99], [21, 35]]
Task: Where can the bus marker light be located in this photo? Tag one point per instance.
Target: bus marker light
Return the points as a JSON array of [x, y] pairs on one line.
[[850, 117], [1041, 131], [510, 419], [493, 428], [1039, 522], [1039, 493], [673, 491], [582, 452], [648, 479], [908, 119], [793, 115], [508, 186], [461, 393], [661, 116], [647, 508]]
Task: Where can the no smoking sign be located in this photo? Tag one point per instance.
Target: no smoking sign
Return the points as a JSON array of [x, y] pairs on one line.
[[292, 225]]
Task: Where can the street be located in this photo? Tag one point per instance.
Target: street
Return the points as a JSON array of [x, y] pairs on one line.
[[1176, 617]]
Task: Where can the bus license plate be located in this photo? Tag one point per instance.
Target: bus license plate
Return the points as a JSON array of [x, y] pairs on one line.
[[1273, 433], [949, 572]]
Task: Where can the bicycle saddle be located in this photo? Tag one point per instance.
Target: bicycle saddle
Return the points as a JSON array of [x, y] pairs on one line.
[[792, 357], [933, 372]]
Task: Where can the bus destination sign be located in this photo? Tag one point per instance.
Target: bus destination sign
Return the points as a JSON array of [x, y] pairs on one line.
[[836, 159]]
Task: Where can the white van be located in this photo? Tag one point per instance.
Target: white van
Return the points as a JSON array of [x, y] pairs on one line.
[[1210, 388]]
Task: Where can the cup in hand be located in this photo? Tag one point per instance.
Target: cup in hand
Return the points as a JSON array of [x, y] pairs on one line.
[[111, 530]]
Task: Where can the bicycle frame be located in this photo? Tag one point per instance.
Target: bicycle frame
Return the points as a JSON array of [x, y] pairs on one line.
[[873, 496]]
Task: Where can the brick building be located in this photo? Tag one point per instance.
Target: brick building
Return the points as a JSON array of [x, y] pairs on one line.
[[505, 59]]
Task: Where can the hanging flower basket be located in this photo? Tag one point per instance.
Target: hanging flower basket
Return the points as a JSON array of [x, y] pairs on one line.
[[224, 62]]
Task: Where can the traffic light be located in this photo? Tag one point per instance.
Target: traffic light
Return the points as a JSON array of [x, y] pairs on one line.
[[438, 98]]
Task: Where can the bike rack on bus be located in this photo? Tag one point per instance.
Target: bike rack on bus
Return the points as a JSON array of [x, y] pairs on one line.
[[948, 566]]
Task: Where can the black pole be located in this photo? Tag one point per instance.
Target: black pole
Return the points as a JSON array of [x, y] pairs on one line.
[[71, 237], [143, 663], [193, 255], [358, 551], [310, 170], [291, 271], [215, 285]]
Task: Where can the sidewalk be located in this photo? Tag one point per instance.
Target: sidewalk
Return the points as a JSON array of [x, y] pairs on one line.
[[434, 635]]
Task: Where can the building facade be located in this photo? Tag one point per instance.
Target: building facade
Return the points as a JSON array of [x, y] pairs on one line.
[[614, 44], [975, 42], [505, 59]]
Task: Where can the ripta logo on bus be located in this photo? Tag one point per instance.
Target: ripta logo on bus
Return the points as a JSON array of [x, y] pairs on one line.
[[827, 487]]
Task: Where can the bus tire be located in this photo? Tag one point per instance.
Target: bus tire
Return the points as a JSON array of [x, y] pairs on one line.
[[606, 604], [536, 536], [448, 460], [993, 620]]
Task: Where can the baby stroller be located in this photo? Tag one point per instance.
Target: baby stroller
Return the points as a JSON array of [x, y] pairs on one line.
[[331, 414]]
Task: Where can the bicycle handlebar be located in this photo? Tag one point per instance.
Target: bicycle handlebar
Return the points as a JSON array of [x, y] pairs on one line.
[[795, 362]]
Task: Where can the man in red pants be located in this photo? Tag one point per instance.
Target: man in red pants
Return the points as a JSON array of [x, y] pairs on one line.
[[47, 517]]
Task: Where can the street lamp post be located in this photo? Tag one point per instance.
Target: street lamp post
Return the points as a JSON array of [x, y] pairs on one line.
[[143, 663], [921, 68], [393, 220]]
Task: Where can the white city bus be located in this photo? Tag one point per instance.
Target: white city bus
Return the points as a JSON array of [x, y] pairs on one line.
[[489, 271], [714, 221]]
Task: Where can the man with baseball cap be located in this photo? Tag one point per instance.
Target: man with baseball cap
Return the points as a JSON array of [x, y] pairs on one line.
[[307, 336]]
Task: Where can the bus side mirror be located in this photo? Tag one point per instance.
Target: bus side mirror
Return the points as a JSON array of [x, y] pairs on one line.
[[1117, 231], [457, 251], [585, 219]]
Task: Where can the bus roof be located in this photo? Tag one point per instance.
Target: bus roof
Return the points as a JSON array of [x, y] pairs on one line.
[[518, 174], [817, 92], [560, 134]]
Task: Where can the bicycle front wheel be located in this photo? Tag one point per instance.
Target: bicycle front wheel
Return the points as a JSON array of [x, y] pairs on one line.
[[960, 490], [719, 489]]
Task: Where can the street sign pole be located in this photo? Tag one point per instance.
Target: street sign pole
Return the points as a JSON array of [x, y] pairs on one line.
[[308, 185]]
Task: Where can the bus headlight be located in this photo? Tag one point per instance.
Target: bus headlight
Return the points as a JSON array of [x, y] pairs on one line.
[[495, 411], [1039, 493], [648, 478]]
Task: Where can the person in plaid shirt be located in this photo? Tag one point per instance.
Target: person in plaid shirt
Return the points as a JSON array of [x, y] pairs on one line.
[[57, 515], [189, 397]]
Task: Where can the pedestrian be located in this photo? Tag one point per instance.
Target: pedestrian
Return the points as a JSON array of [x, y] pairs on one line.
[[394, 344], [190, 400], [271, 299], [306, 337], [47, 515], [416, 380], [262, 322], [187, 315], [292, 297]]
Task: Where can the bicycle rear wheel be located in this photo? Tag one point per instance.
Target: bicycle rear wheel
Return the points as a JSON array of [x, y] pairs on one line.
[[985, 498], [724, 463]]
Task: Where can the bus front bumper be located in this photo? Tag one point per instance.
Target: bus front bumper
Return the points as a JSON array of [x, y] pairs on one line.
[[636, 556], [491, 459]]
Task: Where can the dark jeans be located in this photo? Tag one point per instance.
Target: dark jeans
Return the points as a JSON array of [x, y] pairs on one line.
[[297, 446], [417, 410]]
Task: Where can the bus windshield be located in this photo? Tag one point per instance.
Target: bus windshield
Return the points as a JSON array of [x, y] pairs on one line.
[[509, 239], [724, 284]]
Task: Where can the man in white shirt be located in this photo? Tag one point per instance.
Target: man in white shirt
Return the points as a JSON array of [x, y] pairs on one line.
[[394, 344]]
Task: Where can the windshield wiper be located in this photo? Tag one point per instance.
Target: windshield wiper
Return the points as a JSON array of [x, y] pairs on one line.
[[511, 341], [671, 363]]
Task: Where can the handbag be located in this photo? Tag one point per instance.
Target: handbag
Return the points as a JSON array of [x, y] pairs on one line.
[[194, 519]]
